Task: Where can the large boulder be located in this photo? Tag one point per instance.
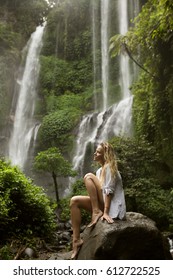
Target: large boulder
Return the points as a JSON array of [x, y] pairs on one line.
[[136, 238]]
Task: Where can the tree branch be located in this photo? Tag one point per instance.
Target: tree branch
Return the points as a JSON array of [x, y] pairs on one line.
[[135, 61]]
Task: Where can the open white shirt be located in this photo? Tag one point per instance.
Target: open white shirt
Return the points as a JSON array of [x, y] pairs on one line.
[[114, 187]]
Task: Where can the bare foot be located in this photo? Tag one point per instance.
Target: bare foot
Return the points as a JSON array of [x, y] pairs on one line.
[[76, 248], [95, 218]]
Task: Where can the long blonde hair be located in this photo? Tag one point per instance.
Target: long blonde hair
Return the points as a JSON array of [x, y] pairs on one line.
[[110, 159]]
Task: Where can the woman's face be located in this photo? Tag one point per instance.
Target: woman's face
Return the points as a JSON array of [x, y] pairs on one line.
[[99, 155]]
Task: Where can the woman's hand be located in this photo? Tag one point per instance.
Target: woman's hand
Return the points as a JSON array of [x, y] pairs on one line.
[[107, 218]]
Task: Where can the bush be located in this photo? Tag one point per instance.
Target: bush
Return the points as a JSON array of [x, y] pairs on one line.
[[144, 181], [76, 76], [25, 209], [56, 128]]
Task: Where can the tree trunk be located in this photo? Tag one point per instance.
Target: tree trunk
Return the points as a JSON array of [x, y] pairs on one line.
[[56, 186]]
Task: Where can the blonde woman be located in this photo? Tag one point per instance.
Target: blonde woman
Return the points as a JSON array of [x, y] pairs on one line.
[[106, 195]]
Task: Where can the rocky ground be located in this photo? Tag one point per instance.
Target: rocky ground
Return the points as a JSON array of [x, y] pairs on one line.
[[60, 244], [38, 248], [59, 248]]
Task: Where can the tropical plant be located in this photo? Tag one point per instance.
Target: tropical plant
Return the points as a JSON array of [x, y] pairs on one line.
[[25, 209], [56, 129], [53, 162]]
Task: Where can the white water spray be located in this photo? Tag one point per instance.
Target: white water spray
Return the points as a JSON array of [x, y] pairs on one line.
[[25, 127]]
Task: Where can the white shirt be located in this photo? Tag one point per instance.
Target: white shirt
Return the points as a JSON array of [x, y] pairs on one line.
[[113, 186]]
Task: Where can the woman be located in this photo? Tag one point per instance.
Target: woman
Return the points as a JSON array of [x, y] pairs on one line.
[[106, 196]]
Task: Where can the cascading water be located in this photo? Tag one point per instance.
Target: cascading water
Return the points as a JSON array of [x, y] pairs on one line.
[[94, 49], [114, 120], [104, 50], [25, 126], [124, 60], [119, 121]]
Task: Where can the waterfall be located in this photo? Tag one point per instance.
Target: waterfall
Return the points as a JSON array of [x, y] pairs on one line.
[[116, 119], [104, 50], [124, 59], [119, 122], [25, 127], [94, 50], [87, 133]]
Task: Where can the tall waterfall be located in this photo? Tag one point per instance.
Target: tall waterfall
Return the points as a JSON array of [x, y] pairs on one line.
[[115, 120], [104, 50], [25, 126], [124, 60], [94, 50]]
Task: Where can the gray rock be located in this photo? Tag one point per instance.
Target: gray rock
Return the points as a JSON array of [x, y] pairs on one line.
[[66, 236], [29, 252], [136, 238], [60, 256]]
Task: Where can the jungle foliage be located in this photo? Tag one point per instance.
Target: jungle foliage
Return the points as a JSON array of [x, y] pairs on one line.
[[67, 49], [150, 44], [148, 178], [147, 190], [25, 209], [66, 93]]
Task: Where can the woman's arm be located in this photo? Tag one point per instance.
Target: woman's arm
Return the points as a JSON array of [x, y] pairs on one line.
[[108, 191], [107, 204], [106, 209]]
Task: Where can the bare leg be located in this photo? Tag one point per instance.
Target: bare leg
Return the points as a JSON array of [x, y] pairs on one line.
[[94, 190], [78, 202]]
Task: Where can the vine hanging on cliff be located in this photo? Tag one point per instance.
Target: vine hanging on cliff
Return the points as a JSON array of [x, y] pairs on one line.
[[119, 46]]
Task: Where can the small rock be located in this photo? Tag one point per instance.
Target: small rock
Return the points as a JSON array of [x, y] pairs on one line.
[[29, 252]]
